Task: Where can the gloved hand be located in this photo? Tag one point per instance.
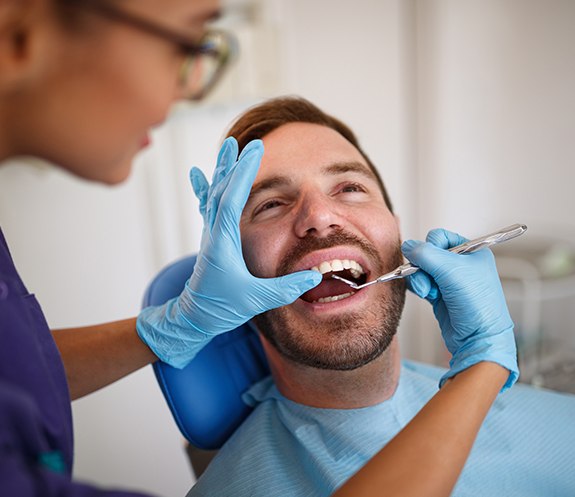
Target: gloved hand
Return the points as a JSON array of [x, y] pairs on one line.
[[468, 302], [221, 294]]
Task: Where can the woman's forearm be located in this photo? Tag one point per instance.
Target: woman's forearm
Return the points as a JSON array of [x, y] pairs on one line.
[[428, 455], [95, 356]]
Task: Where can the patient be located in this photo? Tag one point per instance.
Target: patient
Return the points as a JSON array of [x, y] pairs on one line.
[[339, 391]]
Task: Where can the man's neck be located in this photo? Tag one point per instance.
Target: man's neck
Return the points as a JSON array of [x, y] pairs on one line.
[[366, 386]]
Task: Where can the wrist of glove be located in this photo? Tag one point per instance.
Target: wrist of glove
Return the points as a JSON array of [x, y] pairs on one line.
[[170, 334], [499, 349], [467, 300]]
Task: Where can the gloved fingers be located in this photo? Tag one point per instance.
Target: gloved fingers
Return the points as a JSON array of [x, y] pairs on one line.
[[201, 187], [220, 189], [225, 164], [422, 285], [445, 239], [432, 259], [226, 159], [283, 290], [238, 186]]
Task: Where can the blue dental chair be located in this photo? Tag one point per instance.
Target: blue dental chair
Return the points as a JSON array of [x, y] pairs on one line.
[[205, 396]]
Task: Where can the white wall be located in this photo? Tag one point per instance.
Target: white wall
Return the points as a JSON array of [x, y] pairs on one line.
[[495, 134], [497, 112], [466, 106]]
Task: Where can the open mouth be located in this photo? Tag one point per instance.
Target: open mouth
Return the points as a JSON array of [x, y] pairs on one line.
[[330, 289]]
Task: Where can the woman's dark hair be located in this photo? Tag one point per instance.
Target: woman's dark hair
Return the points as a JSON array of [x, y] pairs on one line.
[[264, 118]]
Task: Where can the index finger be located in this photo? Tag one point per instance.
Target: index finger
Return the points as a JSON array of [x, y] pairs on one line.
[[242, 178]]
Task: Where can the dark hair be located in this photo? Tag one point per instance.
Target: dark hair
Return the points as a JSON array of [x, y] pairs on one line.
[[264, 118]]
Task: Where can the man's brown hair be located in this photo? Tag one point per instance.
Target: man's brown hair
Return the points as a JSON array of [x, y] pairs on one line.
[[264, 118]]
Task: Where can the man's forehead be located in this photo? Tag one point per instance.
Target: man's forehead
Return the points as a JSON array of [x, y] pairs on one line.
[[299, 145]]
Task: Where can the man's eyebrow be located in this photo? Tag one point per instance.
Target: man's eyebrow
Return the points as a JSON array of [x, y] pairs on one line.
[[331, 169], [269, 184], [347, 167]]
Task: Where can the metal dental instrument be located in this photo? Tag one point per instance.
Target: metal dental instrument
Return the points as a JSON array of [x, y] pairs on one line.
[[404, 270]]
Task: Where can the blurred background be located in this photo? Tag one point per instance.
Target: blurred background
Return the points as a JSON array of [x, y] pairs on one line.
[[466, 106]]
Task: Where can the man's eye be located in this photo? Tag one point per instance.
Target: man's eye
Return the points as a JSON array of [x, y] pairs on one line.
[[352, 187], [266, 206]]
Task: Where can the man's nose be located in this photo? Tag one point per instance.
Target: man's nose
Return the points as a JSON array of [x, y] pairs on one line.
[[316, 216]]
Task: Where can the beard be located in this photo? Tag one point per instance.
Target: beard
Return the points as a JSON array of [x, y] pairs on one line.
[[344, 342]]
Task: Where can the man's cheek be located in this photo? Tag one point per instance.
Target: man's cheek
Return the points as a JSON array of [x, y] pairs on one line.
[[253, 259], [262, 250]]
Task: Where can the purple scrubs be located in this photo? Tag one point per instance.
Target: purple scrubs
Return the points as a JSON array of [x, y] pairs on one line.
[[36, 440]]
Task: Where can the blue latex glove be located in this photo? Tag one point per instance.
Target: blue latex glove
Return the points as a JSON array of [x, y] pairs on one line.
[[221, 294], [468, 302]]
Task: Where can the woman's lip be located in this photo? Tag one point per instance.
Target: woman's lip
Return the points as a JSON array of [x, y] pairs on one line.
[[145, 141]]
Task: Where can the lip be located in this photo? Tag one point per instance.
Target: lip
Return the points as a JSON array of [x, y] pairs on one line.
[[145, 142], [347, 305]]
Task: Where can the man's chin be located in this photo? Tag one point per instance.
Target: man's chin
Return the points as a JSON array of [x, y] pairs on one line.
[[331, 343]]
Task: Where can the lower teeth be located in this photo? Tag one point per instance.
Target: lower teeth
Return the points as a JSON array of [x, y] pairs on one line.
[[324, 300]]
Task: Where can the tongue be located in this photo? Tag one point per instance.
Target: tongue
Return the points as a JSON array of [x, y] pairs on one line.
[[327, 288]]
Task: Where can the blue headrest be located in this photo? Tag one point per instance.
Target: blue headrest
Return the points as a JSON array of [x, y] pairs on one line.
[[205, 396]]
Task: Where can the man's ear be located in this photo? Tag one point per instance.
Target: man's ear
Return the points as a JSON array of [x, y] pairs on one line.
[[20, 22]]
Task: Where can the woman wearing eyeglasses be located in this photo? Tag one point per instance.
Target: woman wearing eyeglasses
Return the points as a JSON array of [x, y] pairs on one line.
[[82, 82]]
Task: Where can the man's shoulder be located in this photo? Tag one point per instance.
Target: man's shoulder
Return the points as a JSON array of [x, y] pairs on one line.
[[525, 447]]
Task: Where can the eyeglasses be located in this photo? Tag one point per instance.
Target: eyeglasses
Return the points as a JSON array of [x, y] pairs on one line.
[[206, 60]]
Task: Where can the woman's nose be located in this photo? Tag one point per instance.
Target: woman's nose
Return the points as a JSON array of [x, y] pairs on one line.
[[316, 216]]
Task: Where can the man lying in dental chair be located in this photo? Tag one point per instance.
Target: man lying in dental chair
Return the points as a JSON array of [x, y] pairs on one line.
[[338, 390]]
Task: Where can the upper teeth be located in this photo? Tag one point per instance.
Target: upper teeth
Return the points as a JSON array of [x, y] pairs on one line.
[[339, 265]]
